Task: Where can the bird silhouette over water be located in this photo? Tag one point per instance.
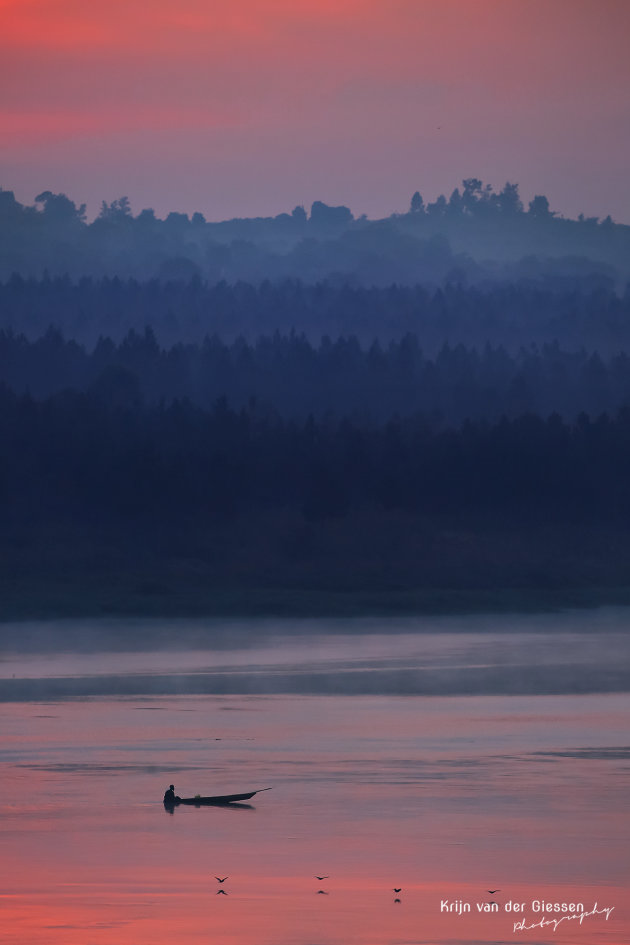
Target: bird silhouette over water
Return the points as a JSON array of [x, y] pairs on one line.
[[322, 892], [320, 878], [219, 880], [493, 891], [221, 892], [397, 899], [398, 890]]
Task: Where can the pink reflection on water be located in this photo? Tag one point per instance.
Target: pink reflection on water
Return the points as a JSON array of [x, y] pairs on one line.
[[444, 798]]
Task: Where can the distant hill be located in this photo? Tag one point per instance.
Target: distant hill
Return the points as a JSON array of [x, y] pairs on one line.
[[475, 237]]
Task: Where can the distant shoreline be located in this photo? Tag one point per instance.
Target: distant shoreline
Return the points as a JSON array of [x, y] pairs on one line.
[[68, 601]]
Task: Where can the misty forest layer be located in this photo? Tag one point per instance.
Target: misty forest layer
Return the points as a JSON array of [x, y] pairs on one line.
[[474, 237], [226, 496], [287, 376], [374, 419], [187, 311]]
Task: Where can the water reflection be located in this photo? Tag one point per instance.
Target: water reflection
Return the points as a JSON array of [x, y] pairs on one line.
[[383, 806], [236, 805]]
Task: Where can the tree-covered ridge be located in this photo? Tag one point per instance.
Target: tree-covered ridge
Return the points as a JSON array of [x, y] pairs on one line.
[[288, 376], [478, 200], [129, 507], [454, 238], [74, 455], [585, 314]]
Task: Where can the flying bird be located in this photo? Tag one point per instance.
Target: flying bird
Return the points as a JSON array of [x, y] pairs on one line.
[[398, 890], [320, 878], [219, 880], [397, 899], [221, 892], [321, 892], [493, 891]]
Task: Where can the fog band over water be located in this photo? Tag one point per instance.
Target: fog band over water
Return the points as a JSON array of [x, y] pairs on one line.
[[500, 655]]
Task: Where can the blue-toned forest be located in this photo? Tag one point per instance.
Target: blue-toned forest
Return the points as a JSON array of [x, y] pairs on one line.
[[313, 413]]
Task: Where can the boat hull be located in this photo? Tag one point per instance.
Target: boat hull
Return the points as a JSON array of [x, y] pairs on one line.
[[218, 799]]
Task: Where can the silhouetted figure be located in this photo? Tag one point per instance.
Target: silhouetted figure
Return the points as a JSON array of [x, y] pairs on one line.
[[397, 900], [320, 878], [398, 890], [493, 891], [219, 880], [170, 798], [221, 892]]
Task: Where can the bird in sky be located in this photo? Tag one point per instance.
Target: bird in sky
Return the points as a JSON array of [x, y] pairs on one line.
[[320, 878], [221, 892], [219, 880], [321, 892], [493, 891], [398, 890]]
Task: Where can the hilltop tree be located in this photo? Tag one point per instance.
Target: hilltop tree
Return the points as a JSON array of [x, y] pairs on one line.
[[508, 201], [11, 210], [175, 219], [147, 217], [60, 209], [417, 203], [438, 208], [324, 215], [116, 211], [455, 204], [539, 208], [473, 189], [476, 198]]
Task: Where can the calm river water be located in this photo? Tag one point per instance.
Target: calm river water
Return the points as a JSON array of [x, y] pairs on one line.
[[440, 758]]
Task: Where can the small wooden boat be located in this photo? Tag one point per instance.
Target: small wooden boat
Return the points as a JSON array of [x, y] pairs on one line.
[[217, 799]]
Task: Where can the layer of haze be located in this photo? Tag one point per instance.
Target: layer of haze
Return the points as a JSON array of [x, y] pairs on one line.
[[557, 654], [249, 107]]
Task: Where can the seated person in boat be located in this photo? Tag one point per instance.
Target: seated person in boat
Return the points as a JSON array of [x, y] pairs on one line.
[[170, 796]]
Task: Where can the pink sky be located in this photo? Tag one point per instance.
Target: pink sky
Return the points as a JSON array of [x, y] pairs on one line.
[[247, 107]]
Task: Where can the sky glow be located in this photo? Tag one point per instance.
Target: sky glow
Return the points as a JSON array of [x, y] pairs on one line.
[[244, 107]]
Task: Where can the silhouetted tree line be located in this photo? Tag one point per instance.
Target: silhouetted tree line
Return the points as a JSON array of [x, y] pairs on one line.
[[190, 310], [72, 457], [287, 375], [431, 243], [478, 200]]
